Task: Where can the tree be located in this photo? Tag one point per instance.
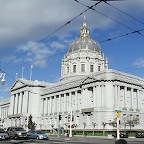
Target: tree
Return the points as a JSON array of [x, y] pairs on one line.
[[52, 125], [84, 124], [94, 124], [113, 123], [132, 121], [31, 124]]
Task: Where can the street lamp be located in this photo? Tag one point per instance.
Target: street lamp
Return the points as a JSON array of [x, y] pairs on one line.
[[118, 122], [2, 75]]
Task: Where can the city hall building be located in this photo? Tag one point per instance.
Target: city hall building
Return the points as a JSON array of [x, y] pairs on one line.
[[88, 89]]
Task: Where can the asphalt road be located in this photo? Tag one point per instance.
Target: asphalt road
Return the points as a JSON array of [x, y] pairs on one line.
[[73, 140]]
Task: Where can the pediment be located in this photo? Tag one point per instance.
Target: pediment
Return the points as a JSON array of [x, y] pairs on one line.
[[18, 84], [88, 80]]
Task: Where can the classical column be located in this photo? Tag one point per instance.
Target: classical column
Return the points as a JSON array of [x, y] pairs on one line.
[[16, 104], [138, 99], [131, 99], [102, 96], [70, 101], [50, 105], [46, 105], [76, 100], [94, 97], [42, 106], [83, 98], [98, 94], [12, 101], [19, 103], [25, 101], [60, 103], [87, 99], [55, 104], [115, 95], [125, 95], [118, 96], [65, 103]]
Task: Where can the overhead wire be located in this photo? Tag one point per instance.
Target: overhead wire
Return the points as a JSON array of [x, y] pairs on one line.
[[89, 7], [125, 13], [68, 22], [102, 41], [126, 34], [111, 18]]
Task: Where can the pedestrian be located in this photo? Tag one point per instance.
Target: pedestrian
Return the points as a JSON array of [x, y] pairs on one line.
[[121, 141]]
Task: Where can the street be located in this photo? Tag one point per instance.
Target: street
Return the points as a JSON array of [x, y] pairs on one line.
[[73, 140]]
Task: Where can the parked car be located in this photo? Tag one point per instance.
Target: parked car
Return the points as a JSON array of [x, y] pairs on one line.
[[139, 134], [17, 133], [37, 134], [3, 134], [123, 134]]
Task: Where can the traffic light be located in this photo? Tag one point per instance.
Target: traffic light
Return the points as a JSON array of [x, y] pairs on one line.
[[60, 117]]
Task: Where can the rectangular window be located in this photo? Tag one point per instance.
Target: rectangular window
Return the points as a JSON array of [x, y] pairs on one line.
[[82, 67], [74, 68], [98, 68], [67, 69], [91, 68]]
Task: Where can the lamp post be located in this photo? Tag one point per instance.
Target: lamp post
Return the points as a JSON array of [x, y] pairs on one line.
[[70, 134], [118, 120], [2, 75]]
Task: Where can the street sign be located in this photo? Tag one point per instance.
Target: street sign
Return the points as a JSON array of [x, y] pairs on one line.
[[118, 111], [118, 115]]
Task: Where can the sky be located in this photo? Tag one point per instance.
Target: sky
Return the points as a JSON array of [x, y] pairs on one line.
[[39, 32]]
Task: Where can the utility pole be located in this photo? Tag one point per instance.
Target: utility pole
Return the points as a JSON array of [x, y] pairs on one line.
[[70, 135], [118, 122], [59, 119]]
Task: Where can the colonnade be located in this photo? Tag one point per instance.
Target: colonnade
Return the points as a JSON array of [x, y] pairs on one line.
[[106, 95], [19, 103], [77, 99], [128, 98]]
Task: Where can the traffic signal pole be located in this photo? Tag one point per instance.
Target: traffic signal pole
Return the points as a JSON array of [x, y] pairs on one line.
[[59, 119], [70, 134], [118, 123], [118, 131]]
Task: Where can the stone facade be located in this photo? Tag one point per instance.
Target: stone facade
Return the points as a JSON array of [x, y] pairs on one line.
[[88, 89]]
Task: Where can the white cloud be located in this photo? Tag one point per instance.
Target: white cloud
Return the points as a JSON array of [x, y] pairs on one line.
[[22, 21], [57, 45], [139, 62], [36, 53]]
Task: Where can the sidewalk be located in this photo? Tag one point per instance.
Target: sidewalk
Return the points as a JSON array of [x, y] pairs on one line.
[[79, 137]]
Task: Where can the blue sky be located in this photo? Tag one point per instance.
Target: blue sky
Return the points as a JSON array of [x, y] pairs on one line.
[[24, 26]]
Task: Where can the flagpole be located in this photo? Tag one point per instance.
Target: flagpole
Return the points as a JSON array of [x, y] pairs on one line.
[[31, 72], [16, 76], [22, 72]]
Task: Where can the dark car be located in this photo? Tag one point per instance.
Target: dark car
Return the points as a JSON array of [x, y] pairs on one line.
[[17, 133], [37, 134], [139, 135], [3, 134], [123, 134]]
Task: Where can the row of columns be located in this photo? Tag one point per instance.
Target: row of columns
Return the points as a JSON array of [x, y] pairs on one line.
[[78, 100], [19, 103], [4, 112], [100, 96], [127, 97]]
